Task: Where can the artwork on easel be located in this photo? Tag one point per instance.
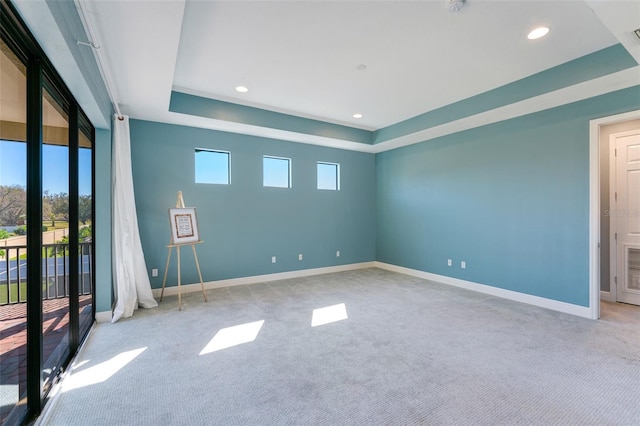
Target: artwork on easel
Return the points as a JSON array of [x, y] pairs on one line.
[[184, 230], [184, 225]]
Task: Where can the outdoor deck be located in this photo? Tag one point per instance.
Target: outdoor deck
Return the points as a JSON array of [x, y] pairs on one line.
[[55, 314], [13, 342]]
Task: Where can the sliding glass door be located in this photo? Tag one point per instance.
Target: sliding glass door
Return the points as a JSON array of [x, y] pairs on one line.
[[55, 236], [13, 242], [84, 224], [46, 223]]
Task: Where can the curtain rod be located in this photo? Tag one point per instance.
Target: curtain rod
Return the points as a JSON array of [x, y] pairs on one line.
[[95, 47]]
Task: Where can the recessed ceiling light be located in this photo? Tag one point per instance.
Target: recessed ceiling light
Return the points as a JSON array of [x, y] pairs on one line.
[[241, 89], [357, 115], [538, 32], [454, 6]]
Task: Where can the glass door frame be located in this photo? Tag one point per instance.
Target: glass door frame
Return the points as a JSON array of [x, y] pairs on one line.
[[41, 74]]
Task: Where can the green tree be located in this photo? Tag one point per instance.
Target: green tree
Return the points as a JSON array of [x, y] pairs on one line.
[[84, 209], [55, 207], [4, 234], [47, 211], [13, 204], [85, 234], [60, 206]]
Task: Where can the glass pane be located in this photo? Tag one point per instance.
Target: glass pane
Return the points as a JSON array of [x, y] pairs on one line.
[[13, 242], [85, 233], [328, 176], [212, 167], [634, 269], [276, 172], [55, 238]]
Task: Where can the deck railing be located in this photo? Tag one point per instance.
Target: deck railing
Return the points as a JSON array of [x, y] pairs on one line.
[[55, 272]]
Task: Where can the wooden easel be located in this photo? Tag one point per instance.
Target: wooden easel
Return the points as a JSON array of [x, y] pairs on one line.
[[180, 203]]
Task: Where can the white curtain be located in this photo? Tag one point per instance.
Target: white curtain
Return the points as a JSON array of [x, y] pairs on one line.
[[132, 286]]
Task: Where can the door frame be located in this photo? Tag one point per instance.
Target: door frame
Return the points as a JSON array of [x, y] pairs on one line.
[[614, 219], [594, 205], [613, 224]]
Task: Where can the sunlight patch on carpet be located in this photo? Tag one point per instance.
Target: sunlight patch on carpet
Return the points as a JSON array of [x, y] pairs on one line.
[[101, 372], [329, 314], [80, 364], [233, 336]]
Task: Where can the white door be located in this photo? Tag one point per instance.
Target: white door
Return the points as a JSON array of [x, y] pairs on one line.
[[627, 216]]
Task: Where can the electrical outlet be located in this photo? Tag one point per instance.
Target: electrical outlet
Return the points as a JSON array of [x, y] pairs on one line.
[[449, 262], [273, 259], [463, 265], [338, 253], [154, 272], [300, 256]]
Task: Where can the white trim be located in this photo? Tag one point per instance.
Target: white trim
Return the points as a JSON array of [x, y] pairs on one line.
[[594, 205], [542, 302], [606, 296], [613, 223], [577, 92], [104, 316], [189, 288]]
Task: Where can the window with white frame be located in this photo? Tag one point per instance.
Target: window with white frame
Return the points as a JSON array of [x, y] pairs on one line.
[[328, 176], [276, 172], [212, 166]]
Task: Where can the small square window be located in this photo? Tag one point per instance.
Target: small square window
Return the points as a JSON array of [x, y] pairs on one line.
[[276, 172], [328, 176], [212, 166]]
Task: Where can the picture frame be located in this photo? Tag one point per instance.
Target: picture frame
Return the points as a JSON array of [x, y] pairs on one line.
[[184, 225]]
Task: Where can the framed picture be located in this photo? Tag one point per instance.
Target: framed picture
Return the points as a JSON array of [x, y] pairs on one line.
[[184, 225]]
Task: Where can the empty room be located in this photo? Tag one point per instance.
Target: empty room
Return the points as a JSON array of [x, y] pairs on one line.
[[319, 212]]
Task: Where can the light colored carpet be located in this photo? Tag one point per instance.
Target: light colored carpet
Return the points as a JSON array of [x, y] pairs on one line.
[[410, 352]]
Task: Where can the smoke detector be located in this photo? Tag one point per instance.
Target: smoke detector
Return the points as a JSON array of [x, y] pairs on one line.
[[454, 6]]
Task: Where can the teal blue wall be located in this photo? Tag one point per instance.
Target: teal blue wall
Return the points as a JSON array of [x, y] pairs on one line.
[[102, 226], [184, 103], [511, 199], [603, 62], [244, 224]]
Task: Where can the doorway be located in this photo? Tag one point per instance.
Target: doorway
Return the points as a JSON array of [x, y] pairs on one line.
[[602, 238], [624, 213]]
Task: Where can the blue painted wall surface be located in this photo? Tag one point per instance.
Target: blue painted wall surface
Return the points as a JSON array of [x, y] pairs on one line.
[[244, 224], [606, 61], [104, 287], [511, 199], [220, 110]]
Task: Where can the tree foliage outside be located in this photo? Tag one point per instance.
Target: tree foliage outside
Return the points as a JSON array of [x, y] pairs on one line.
[[55, 207], [85, 234], [84, 209], [4, 234], [13, 204]]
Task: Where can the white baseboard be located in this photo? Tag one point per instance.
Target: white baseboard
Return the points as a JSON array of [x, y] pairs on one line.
[[104, 316], [606, 296], [542, 302], [188, 288]]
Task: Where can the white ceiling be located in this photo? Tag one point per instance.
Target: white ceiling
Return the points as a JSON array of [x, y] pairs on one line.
[[301, 57]]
